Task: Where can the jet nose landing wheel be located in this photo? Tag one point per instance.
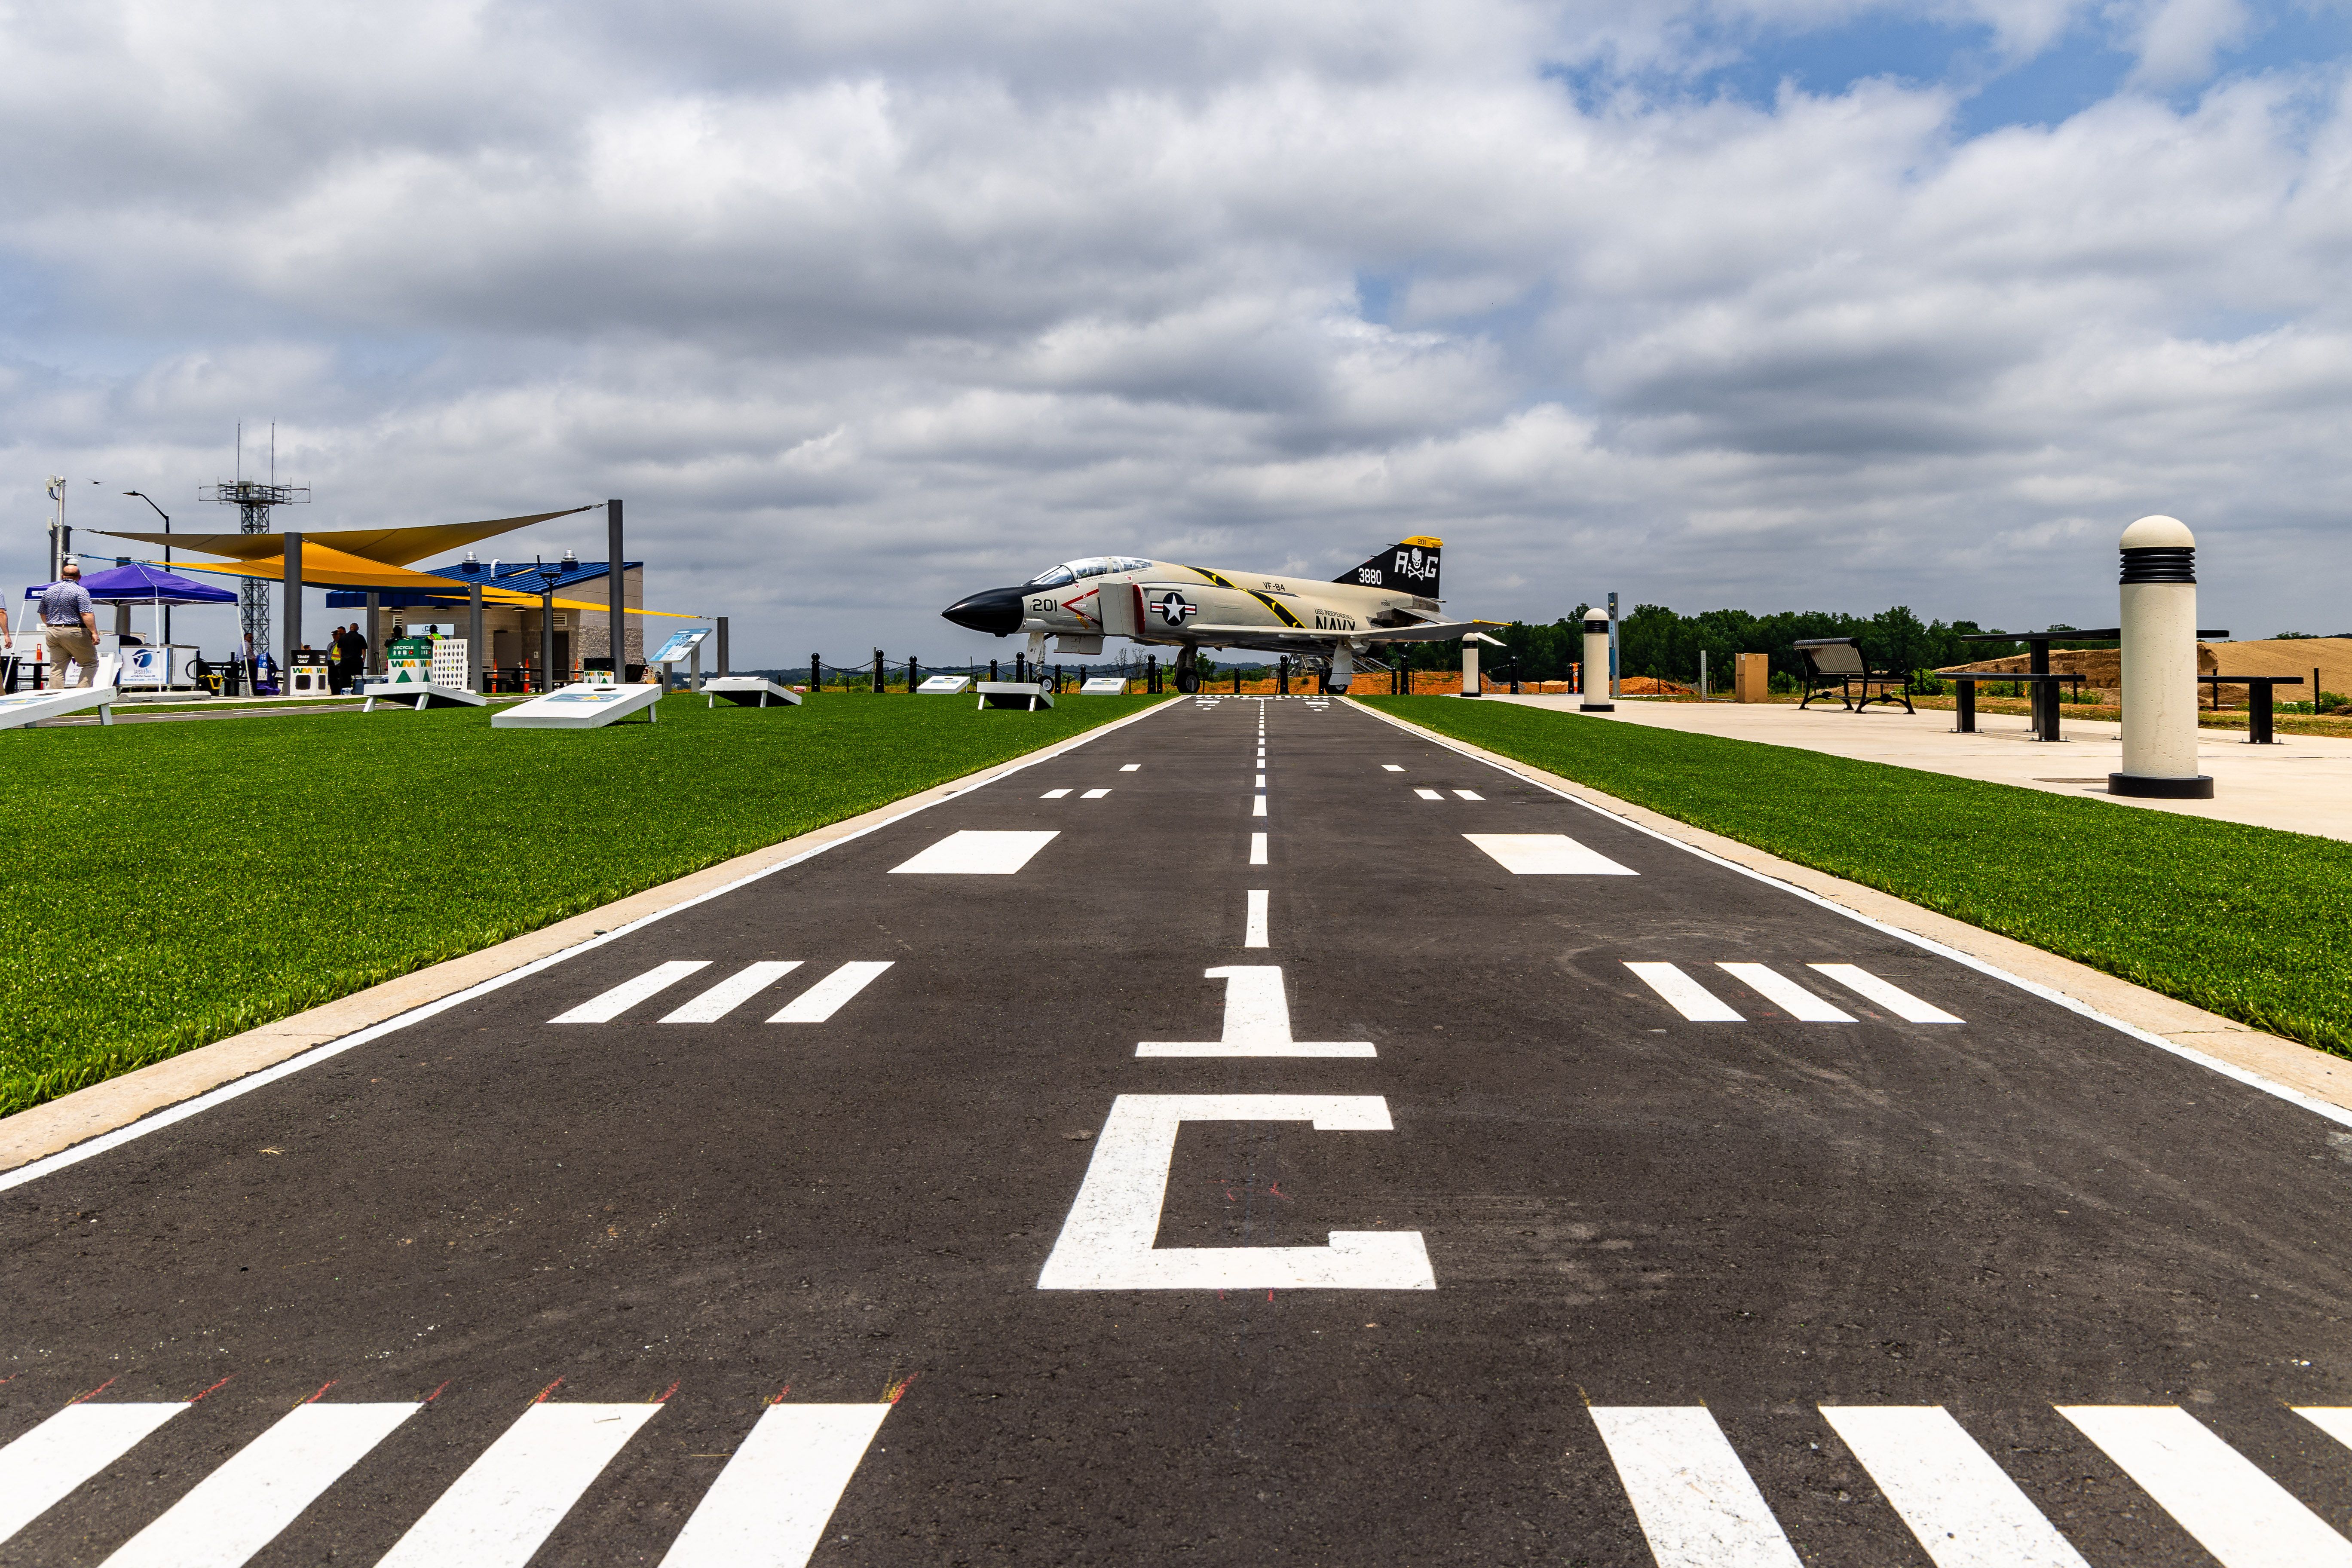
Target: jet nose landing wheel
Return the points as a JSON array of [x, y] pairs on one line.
[[1188, 680]]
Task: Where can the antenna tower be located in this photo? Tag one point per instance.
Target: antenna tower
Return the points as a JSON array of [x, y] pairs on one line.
[[253, 499]]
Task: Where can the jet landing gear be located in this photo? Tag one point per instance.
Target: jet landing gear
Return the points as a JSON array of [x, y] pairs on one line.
[[1188, 676]]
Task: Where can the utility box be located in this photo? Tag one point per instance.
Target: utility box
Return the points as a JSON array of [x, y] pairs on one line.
[[1753, 680]]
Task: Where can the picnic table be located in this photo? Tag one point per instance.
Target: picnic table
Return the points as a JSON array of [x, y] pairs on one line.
[[2037, 669], [2258, 730]]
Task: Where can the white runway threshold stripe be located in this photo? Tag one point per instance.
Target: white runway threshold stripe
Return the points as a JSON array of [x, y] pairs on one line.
[[605, 1007], [240, 1508], [733, 992], [1257, 1022], [769, 1507], [1683, 995], [1893, 998], [2236, 1512], [1428, 795], [1695, 1503], [824, 999], [1960, 1503], [1786, 994], [1254, 933], [40, 1468], [509, 1501], [976, 852], [1545, 854]]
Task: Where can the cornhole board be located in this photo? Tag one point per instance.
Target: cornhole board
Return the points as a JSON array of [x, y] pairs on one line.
[[31, 707], [1103, 686], [421, 695], [944, 686], [748, 691], [579, 708], [1029, 695]]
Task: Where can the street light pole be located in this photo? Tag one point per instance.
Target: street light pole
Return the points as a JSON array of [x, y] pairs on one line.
[[166, 516]]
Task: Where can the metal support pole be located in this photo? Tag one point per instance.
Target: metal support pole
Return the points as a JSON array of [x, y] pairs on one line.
[[616, 585], [374, 634], [1615, 674], [474, 663], [724, 668], [293, 612], [547, 640]]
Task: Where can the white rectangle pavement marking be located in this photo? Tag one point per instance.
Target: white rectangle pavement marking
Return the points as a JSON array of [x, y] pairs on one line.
[[610, 1006], [1786, 993], [1094, 794], [1258, 807], [2334, 1420], [1428, 795], [1683, 995], [1053, 794], [1126, 768], [240, 1509], [1391, 768], [2238, 1514], [1961, 1505], [1545, 855], [1893, 998], [1257, 848], [40, 1468], [733, 992], [509, 1501], [1257, 1022], [1692, 1496], [824, 999], [1469, 795], [768, 1508], [976, 852], [1255, 933]]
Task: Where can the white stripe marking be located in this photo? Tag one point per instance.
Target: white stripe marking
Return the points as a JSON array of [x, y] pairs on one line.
[[1786, 994], [40, 1468], [1469, 795], [1683, 995], [975, 852], [1961, 1505], [610, 1006], [240, 1508], [1257, 848], [509, 1501], [1261, 781], [1257, 1022], [824, 999], [1255, 936], [1094, 794], [2334, 1420], [1391, 768], [1545, 855], [1258, 809], [1428, 795], [2236, 1512], [1126, 768], [1694, 1498], [768, 1508], [733, 992], [1053, 794], [1893, 998]]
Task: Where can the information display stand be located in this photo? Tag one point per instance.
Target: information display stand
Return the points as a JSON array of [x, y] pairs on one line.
[[420, 695], [1103, 686], [580, 708], [944, 686], [25, 708], [1029, 695], [748, 691]]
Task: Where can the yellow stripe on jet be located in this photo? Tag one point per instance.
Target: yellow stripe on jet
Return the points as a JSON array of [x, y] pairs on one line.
[[1281, 611], [1218, 578]]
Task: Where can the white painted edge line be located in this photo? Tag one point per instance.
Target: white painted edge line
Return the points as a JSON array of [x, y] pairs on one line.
[[2246, 1076], [155, 1120]]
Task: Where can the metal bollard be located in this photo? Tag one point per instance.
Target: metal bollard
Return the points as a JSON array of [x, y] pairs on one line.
[[1596, 657], [2160, 664]]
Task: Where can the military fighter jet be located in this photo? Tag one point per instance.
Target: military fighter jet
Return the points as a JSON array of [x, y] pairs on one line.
[[1392, 597]]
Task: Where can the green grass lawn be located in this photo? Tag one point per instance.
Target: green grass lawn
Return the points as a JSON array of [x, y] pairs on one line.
[[2249, 922], [172, 884]]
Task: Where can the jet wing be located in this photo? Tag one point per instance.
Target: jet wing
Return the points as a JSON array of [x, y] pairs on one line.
[[1427, 631]]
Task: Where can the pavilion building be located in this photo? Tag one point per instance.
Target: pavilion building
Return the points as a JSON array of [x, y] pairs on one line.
[[511, 631]]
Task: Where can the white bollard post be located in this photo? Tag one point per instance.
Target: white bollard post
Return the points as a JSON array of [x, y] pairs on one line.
[[2160, 664], [1596, 663], [1469, 668]]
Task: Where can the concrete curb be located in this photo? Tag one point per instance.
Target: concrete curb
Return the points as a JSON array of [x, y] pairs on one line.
[[103, 1108], [2298, 1067]]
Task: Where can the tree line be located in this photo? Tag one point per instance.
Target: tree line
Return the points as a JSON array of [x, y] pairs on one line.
[[1655, 640]]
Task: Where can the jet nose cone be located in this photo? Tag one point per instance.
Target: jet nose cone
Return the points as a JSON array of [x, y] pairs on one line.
[[994, 610]]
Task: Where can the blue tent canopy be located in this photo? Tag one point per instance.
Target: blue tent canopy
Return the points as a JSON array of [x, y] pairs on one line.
[[139, 584]]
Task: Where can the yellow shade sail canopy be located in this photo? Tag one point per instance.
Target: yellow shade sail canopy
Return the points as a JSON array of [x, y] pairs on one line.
[[403, 546], [325, 568]]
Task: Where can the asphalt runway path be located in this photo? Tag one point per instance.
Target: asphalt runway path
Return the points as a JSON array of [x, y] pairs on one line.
[[1426, 1228]]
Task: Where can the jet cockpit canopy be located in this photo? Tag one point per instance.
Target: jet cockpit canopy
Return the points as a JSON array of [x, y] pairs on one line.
[[1069, 571]]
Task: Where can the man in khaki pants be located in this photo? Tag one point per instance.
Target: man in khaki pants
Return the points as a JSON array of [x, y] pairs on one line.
[[70, 621]]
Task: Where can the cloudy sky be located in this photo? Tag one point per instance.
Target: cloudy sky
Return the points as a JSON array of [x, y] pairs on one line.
[[1787, 303]]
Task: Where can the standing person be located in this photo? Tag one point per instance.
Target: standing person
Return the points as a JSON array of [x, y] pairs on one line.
[[70, 621], [335, 673], [354, 644]]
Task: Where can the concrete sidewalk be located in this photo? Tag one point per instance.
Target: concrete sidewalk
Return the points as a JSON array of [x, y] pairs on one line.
[[2302, 785]]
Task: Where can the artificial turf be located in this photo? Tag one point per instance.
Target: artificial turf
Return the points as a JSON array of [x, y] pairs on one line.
[[2249, 922], [176, 883]]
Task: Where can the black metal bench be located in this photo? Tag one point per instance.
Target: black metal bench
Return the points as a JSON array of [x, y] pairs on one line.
[[2259, 732], [1838, 661]]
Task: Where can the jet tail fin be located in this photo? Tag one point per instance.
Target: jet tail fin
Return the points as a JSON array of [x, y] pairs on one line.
[[1408, 567]]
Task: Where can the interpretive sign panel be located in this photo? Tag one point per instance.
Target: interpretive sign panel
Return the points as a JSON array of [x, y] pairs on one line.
[[749, 690], [944, 686], [579, 708], [1103, 686], [680, 645]]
